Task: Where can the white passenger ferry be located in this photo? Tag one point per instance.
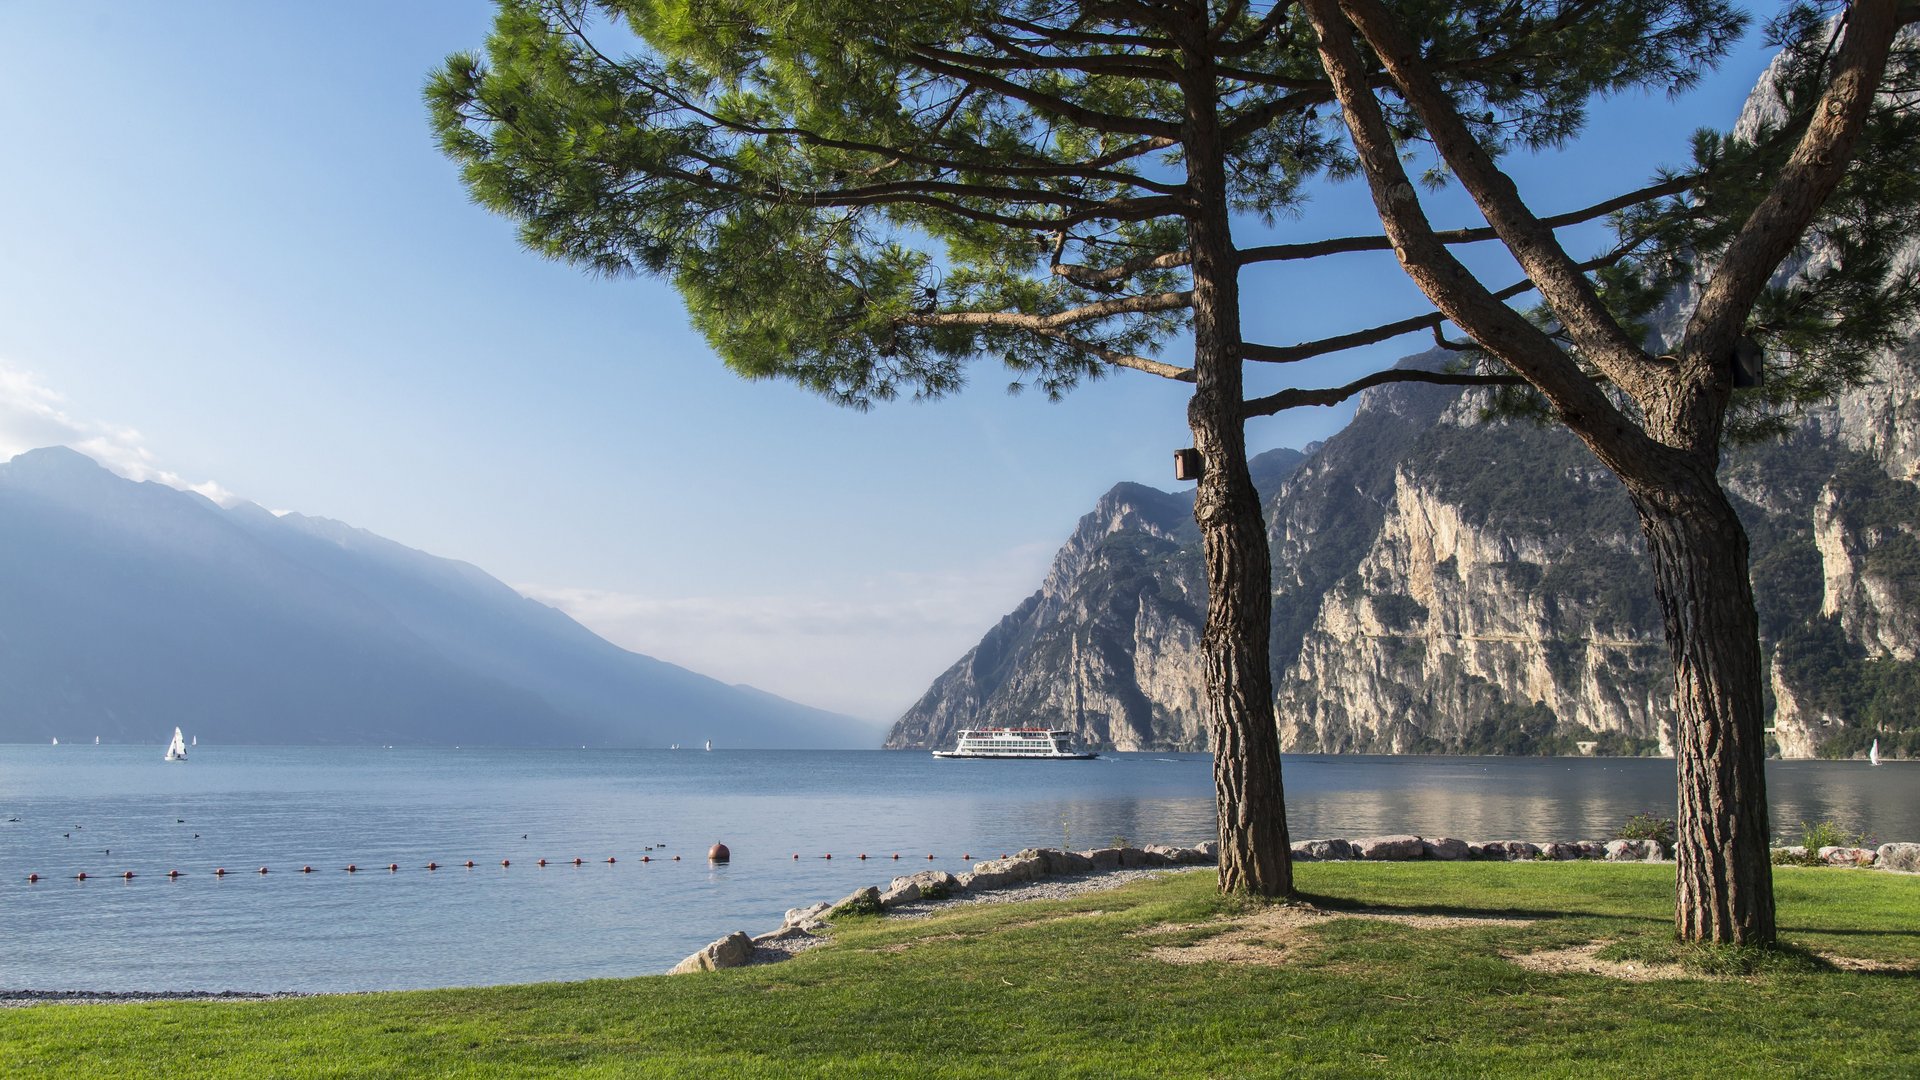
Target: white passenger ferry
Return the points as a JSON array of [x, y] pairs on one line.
[[1016, 743]]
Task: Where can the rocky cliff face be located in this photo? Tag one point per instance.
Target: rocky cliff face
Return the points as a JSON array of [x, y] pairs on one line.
[[1107, 646], [1447, 584]]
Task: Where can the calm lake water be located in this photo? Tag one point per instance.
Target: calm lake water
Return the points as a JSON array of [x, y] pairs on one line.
[[105, 810]]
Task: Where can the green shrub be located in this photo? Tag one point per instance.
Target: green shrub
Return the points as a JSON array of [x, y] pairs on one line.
[[1829, 834], [1796, 857], [1647, 827]]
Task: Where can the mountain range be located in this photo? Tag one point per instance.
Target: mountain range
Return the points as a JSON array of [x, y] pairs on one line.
[[129, 608]]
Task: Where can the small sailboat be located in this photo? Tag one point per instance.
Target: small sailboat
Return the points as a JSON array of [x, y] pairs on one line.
[[195, 742], [709, 745], [177, 749], [1873, 753], [56, 740], [96, 740]]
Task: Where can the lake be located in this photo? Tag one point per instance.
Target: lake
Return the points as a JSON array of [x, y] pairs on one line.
[[108, 809]]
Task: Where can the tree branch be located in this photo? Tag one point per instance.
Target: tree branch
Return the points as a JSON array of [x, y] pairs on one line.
[[1799, 189], [1013, 320], [1599, 335], [1499, 329], [1120, 359], [928, 58], [1336, 245], [1296, 398]]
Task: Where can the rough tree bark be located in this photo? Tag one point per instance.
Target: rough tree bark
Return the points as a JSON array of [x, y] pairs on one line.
[[1699, 555], [1255, 855]]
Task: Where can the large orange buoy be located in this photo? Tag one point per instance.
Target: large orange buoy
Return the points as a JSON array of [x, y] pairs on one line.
[[721, 853]]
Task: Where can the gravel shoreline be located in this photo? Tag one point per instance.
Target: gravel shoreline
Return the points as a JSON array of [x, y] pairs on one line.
[[18, 999]]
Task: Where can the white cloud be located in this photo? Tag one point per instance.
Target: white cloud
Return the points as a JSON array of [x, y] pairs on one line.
[[869, 651], [33, 415]]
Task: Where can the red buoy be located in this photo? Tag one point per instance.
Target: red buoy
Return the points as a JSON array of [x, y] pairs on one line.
[[306, 869], [929, 858], [469, 864], [609, 858], [393, 868], [351, 869], [863, 856], [262, 870], [828, 855], [721, 853], [221, 871], [796, 854], [31, 878], [433, 866], [576, 860], [676, 858], [173, 873], [127, 876], [81, 876], [966, 858], [541, 863], [896, 856]]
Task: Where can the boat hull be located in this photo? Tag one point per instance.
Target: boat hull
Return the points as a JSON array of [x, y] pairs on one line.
[[1085, 756]]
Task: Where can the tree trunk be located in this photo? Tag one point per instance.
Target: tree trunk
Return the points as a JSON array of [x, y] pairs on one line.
[[1255, 856], [1699, 551]]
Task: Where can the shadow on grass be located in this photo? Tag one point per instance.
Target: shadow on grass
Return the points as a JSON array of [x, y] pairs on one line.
[[1464, 911]]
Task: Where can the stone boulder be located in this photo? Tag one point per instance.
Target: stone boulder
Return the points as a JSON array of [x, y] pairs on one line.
[[731, 951], [1133, 858], [1106, 858], [1446, 847], [864, 901], [1510, 850], [1593, 849], [1560, 852], [1062, 862], [1628, 850], [925, 885], [810, 917], [1390, 847], [1904, 857], [1167, 854], [1209, 850], [1000, 873], [1847, 856], [1310, 850]]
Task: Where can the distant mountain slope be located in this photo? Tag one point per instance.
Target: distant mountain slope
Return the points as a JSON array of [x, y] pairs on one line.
[[128, 608], [1105, 646]]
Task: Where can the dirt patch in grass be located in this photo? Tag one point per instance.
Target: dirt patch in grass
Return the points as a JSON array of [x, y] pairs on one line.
[[1852, 963], [1272, 936], [1583, 960]]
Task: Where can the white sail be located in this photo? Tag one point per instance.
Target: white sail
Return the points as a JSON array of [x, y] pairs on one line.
[[177, 749], [1873, 753], [56, 740], [709, 744]]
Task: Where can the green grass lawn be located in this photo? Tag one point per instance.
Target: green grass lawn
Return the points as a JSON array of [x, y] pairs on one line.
[[1076, 988]]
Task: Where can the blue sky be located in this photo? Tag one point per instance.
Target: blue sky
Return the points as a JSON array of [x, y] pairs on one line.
[[231, 258]]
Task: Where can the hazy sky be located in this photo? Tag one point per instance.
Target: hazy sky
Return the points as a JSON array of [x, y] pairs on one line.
[[231, 258]]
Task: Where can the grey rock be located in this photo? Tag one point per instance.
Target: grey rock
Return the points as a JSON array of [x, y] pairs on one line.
[[1401, 846], [1627, 850], [1000, 873], [1168, 855], [1104, 858], [902, 891], [785, 933], [1446, 847], [865, 901], [1847, 856], [1561, 852], [1065, 862], [731, 951], [1336, 848], [1131, 858], [1905, 857], [1510, 850], [1593, 849], [812, 915], [1209, 849]]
